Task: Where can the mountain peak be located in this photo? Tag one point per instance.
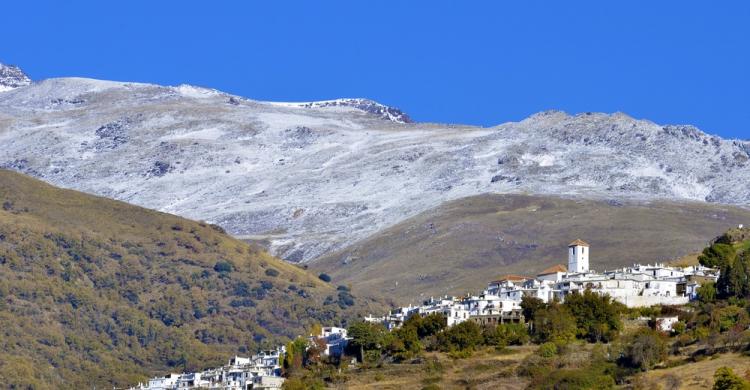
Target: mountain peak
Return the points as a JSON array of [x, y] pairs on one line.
[[12, 77]]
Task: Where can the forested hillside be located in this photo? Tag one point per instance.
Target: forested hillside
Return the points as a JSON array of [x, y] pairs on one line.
[[99, 292]]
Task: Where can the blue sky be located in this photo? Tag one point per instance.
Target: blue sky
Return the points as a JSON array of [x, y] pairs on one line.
[[481, 62]]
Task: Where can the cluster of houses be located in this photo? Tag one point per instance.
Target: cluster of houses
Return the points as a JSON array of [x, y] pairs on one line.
[[260, 371], [635, 286]]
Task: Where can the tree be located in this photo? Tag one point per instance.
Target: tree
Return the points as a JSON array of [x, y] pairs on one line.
[[734, 279], [644, 350], [511, 334], [367, 336], [717, 255], [315, 351], [597, 316], [465, 336], [325, 277], [294, 358], [554, 323], [405, 343], [707, 292], [530, 305], [431, 324], [726, 379]]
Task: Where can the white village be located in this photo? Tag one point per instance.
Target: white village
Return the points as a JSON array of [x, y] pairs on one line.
[[634, 286]]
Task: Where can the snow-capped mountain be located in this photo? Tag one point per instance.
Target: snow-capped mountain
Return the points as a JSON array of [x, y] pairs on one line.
[[12, 77], [312, 177]]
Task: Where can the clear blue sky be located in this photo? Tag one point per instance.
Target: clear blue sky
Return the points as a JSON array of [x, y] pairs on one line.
[[482, 62]]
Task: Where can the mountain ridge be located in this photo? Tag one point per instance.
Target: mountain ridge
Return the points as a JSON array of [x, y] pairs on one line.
[[312, 180]]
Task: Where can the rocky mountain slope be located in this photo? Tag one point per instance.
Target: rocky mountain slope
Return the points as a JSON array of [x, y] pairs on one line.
[[12, 77], [462, 245], [312, 178], [99, 293]]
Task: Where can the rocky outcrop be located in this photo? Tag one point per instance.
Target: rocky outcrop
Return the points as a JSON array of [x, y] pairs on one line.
[[12, 77]]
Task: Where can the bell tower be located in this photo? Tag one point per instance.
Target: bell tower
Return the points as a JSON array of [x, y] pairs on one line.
[[578, 256]]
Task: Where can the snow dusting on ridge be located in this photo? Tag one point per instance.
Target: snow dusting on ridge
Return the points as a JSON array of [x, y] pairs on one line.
[[314, 177]]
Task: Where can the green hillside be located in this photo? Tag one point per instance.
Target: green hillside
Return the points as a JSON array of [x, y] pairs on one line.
[[460, 246], [95, 292]]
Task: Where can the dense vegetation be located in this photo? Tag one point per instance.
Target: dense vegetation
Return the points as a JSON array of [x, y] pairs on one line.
[[95, 292]]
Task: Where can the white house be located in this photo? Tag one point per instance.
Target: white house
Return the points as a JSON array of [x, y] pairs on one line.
[[336, 340], [665, 324], [260, 371], [166, 382]]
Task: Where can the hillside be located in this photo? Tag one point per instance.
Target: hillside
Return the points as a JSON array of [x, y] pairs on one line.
[[95, 292], [312, 178], [459, 247]]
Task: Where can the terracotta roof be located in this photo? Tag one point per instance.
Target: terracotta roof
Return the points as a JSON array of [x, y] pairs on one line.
[[554, 269], [578, 243], [512, 278]]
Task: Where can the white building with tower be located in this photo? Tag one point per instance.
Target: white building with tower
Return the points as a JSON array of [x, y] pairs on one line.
[[634, 286], [578, 257]]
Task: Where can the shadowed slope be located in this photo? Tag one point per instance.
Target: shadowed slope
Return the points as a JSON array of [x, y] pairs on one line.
[[459, 247]]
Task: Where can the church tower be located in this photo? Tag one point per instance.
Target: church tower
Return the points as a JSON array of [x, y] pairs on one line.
[[578, 256]]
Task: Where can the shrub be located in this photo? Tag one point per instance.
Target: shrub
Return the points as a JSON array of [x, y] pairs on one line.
[[223, 267], [272, 272], [345, 299], [513, 334], [726, 379], [506, 334], [644, 350], [547, 350], [325, 277], [679, 327]]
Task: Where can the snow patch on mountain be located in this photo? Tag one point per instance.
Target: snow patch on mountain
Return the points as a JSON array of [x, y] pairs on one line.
[[192, 91]]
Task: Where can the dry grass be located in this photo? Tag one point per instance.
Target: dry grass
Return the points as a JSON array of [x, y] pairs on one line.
[[464, 244], [697, 375], [484, 370]]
